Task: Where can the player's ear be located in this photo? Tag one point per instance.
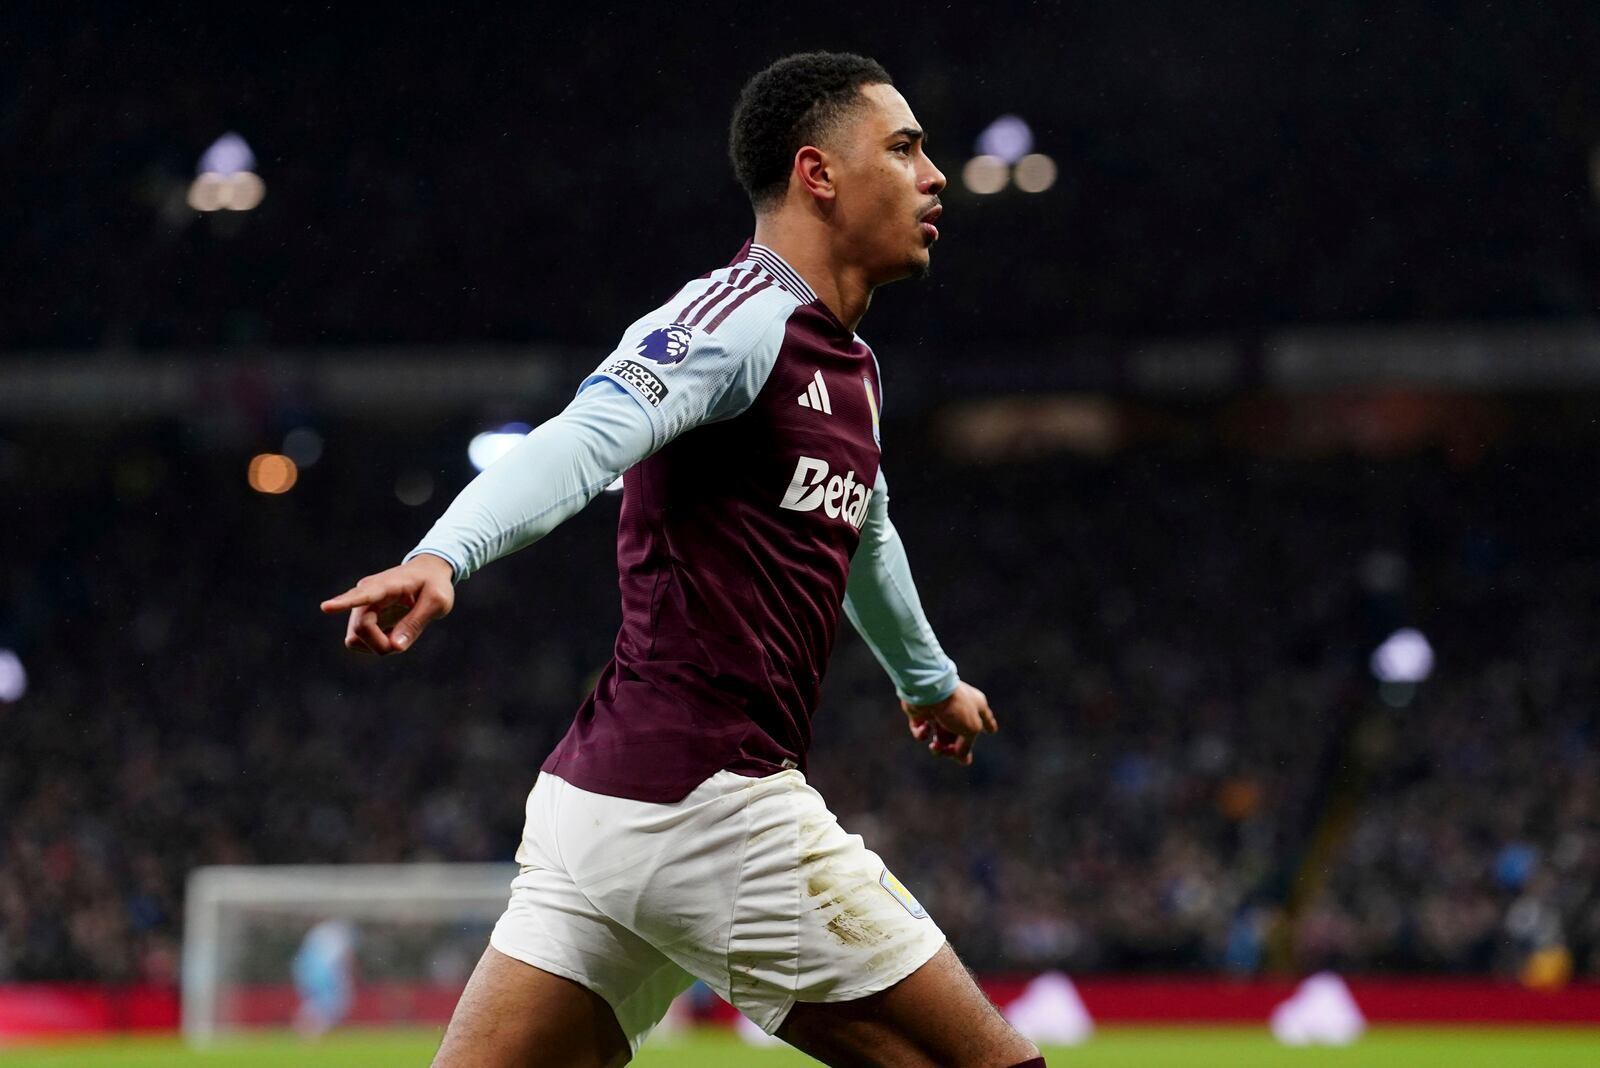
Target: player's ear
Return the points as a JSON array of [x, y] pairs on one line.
[[811, 166]]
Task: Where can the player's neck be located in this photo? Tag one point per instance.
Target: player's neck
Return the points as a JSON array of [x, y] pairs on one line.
[[842, 289]]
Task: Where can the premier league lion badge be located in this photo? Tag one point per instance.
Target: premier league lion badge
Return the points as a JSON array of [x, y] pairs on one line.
[[670, 344]]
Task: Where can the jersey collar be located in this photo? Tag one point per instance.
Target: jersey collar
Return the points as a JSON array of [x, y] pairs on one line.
[[787, 277]]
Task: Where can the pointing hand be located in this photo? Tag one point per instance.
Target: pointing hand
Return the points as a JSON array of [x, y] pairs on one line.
[[390, 610]]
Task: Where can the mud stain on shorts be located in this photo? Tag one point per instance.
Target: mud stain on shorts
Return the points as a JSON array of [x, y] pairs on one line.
[[844, 902]]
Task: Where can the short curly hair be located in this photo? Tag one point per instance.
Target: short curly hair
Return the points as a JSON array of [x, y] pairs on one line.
[[795, 102]]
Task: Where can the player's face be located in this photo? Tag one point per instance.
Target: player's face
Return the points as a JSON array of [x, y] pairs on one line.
[[888, 189]]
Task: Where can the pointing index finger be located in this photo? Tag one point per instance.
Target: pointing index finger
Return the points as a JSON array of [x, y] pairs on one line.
[[354, 597]]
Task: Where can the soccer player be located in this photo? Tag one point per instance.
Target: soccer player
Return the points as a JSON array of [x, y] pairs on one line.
[[672, 834], [324, 976]]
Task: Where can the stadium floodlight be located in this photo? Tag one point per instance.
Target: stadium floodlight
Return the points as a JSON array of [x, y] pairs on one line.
[[416, 931], [1004, 155], [490, 445], [13, 677], [226, 180], [1404, 657]]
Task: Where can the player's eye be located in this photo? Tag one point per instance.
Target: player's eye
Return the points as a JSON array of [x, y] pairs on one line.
[[904, 148]]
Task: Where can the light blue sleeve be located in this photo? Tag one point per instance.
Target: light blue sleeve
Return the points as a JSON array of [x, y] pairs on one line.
[[683, 376], [662, 379], [548, 478], [881, 602]]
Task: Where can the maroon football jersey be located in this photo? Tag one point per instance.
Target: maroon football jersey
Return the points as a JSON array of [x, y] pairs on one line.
[[736, 533]]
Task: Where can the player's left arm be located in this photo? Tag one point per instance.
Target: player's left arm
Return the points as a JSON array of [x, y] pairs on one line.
[[881, 602]]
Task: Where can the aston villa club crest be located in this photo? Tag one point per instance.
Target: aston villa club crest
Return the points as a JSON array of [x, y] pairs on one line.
[[669, 344], [872, 406], [898, 891]]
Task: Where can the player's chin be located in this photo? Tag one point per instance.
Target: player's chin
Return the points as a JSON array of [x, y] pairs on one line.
[[914, 264]]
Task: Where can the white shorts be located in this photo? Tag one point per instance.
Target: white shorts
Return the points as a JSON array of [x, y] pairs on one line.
[[748, 884]]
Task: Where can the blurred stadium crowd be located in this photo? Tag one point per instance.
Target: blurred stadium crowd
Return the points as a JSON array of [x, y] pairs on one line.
[[1176, 644]]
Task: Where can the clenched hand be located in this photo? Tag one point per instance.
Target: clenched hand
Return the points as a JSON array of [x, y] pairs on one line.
[[951, 727]]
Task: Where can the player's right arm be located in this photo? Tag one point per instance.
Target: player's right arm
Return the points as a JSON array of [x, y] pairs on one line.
[[625, 411], [549, 477]]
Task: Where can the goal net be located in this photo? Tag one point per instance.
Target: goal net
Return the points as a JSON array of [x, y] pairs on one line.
[[316, 947]]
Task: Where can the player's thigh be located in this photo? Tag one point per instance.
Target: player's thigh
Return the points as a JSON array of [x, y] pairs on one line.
[[936, 1016], [513, 1015]]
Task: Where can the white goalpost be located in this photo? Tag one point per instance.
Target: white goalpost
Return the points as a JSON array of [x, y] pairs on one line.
[[371, 944]]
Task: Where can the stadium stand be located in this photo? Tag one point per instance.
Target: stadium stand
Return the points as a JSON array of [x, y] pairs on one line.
[[1176, 643]]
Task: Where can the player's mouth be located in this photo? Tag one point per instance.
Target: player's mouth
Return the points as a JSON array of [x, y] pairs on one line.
[[929, 217]]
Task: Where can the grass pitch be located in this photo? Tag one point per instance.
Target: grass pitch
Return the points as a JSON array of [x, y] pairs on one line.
[[1115, 1047]]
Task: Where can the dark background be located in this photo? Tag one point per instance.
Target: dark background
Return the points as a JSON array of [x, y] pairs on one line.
[[543, 175], [1173, 614]]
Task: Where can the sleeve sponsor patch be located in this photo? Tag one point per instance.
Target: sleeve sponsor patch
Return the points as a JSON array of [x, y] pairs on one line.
[[641, 378]]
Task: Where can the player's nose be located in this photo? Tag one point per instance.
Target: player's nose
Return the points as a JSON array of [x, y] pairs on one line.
[[930, 181]]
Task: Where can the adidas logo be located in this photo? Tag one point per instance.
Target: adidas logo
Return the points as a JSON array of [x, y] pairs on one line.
[[816, 395]]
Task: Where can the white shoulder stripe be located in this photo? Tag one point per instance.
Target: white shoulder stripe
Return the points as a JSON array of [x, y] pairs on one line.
[[775, 265], [721, 293]]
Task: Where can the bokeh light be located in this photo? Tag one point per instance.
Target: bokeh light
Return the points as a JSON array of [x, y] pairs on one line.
[[226, 192], [1405, 656], [13, 677], [226, 180], [228, 155], [303, 445], [272, 472], [1008, 138], [1035, 173], [414, 488], [985, 174], [489, 446]]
